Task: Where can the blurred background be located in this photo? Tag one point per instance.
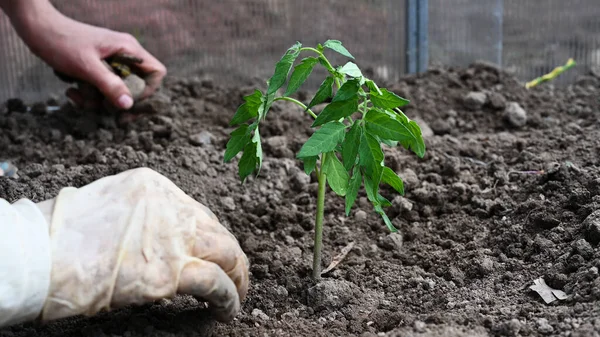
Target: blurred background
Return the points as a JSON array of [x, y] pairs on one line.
[[238, 40]]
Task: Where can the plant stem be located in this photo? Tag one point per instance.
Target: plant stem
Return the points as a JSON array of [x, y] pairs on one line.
[[289, 99], [322, 178], [337, 81]]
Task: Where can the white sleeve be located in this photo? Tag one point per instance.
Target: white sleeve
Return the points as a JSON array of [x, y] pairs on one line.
[[25, 262]]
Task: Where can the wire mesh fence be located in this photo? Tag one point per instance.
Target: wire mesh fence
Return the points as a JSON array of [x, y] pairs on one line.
[[233, 40]]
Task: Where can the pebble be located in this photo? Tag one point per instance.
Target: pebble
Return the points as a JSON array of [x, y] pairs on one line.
[[260, 314], [228, 203], [392, 241], [583, 248], [402, 203], [544, 327], [202, 138], [497, 101], [331, 294], [474, 100], [515, 114], [360, 215], [410, 178], [419, 326], [591, 224]]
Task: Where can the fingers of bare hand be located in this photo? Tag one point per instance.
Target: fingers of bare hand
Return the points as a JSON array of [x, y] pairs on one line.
[[208, 282], [153, 70], [111, 85]]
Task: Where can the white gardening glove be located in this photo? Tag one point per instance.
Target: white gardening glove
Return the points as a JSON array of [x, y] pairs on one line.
[[135, 237]]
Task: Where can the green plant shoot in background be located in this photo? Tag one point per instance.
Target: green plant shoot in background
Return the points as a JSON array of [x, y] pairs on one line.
[[348, 137]]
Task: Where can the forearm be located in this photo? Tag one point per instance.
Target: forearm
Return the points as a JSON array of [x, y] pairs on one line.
[[30, 17], [25, 261]]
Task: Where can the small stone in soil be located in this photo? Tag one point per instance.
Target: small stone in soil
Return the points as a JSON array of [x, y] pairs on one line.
[[228, 203], [360, 215], [474, 100], [331, 294], [392, 241], [202, 138], [515, 115], [591, 224], [260, 314]]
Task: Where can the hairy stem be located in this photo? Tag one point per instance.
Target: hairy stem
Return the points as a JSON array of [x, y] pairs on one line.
[[297, 102], [322, 178]]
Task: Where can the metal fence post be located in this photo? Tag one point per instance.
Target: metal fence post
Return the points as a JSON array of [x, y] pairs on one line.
[[417, 44]]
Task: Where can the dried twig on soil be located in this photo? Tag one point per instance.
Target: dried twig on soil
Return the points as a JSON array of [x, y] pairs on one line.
[[338, 258]]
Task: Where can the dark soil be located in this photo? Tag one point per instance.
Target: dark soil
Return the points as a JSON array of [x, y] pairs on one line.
[[490, 208]]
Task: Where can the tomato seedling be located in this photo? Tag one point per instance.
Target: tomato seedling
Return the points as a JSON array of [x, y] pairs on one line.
[[347, 144]]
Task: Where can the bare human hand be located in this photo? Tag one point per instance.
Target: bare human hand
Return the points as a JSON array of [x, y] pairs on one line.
[[77, 50]]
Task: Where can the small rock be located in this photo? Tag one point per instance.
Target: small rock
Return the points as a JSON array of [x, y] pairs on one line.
[[441, 127], [260, 314], [419, 326], [410, 178], [485, 266], [281, 291], [511, 328], [474, 100], [392, 241], [300, 180], [591, 224], [544, 327], [360, 215], [202, 138], [228, 203], [515, 115], [426, 131], [583, 248], [497, 101], [402, 203], [331, 294], [459, 187]]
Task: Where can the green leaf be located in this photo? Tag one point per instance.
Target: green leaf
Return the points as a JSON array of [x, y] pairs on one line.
[[387, 100], [371, 160], [351, 70], [417, 145], [337, 110], [323, 140], [373, 87], [337, 176], [283, 67], [383, 201], [337, 46], [259, 152], [390, 143], [300, 74], [247, 163], [391, 178], [239, 138], [350, 146], [324, 92], [386, 220], [323, 61], [371, 189], [266, 102], [384, 125], [347, 91], [353, 187], [309, 164], [249, 109]]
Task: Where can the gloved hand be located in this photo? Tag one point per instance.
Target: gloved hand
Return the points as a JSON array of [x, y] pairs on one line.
[[136, 237]]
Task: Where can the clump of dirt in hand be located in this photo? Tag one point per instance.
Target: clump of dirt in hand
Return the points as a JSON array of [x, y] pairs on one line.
[[497, 202]]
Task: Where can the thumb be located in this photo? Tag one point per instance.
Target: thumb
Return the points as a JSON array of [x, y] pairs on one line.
[[110, 85]]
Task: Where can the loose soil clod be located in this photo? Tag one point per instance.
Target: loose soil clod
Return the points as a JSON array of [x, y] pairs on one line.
[[474, 236]]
